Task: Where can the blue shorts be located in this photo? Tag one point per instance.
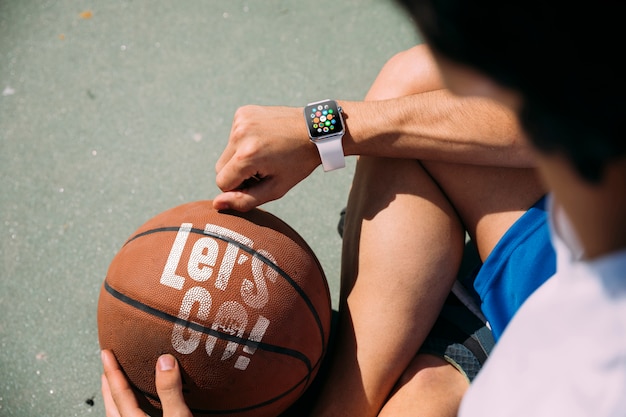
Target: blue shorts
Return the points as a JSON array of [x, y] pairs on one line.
[[475, 315], [521, 261]]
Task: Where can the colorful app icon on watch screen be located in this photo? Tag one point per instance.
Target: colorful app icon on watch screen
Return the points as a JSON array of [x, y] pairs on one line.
[[323, 119]]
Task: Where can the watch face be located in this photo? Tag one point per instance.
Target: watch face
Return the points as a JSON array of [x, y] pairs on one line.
[[323, 119]]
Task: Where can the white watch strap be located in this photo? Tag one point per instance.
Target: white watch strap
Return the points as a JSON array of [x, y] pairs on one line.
[[331, 153]]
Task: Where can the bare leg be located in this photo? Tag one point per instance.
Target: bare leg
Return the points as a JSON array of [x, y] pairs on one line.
[[403, 242], [396, 272], [429, 387]]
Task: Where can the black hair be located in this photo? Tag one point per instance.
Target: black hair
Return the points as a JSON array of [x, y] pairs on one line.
[[564, 58]]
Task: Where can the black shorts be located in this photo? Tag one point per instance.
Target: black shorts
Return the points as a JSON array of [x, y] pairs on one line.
[[461, 335]]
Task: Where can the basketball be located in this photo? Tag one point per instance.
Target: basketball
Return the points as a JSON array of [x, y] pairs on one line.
[[240, 300]]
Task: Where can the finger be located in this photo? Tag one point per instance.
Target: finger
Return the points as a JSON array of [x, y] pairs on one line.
[[119, 388], [234, 174], [226, 156], [109, 405], [235, 200], [245, 200], [169, 387], [231, 147]]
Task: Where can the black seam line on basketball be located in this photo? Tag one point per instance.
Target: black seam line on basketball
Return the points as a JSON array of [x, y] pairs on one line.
[[251, 252], [206, 330]]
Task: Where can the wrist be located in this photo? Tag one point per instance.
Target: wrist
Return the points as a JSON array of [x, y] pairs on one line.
[[371, 128]]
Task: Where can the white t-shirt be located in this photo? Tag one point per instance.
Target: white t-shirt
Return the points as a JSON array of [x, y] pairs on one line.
[[564, 352]]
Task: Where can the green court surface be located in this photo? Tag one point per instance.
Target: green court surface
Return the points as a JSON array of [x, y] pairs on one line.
[[114, 111]]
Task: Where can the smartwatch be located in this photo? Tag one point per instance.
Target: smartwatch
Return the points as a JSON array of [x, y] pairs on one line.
[[325, 124]]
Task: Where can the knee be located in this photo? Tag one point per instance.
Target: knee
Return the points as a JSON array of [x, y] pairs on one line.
[[430, 387], [411, 71], [428, 371]]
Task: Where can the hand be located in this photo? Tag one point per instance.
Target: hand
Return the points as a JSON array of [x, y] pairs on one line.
[[119, 399], [268, 152]]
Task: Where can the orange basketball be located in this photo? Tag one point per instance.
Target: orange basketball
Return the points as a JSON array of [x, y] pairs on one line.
[[238, 298]]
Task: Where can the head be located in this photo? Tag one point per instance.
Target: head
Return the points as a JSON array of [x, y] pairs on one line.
[[557, 63]]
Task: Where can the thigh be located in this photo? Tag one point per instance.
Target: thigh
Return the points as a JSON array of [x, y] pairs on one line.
[[487, 199]]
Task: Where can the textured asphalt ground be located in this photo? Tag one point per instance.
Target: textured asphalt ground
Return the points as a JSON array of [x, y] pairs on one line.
[[112, 112]]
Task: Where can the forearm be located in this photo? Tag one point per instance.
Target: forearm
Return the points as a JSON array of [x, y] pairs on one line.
[[436, 126]]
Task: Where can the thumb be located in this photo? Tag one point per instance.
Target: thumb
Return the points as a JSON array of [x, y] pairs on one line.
[[169, 387]]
